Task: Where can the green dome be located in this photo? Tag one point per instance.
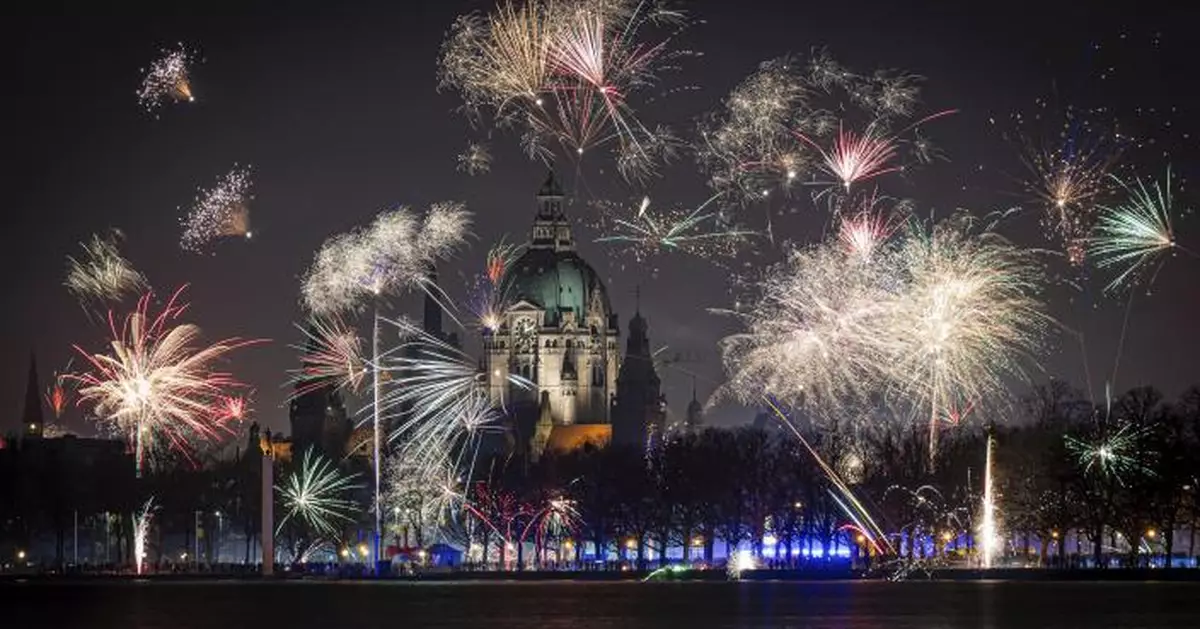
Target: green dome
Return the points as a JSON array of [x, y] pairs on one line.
[[557, 281]]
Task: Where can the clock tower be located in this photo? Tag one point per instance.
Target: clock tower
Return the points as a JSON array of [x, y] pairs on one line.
[[556, 330]]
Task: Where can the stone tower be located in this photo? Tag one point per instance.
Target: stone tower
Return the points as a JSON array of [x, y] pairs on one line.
[[639, 414], [318, 415]]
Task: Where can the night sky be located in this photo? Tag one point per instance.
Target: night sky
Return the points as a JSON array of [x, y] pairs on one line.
[[336, 109]]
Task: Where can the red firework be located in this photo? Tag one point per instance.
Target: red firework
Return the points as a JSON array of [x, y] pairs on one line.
[[156, 384]]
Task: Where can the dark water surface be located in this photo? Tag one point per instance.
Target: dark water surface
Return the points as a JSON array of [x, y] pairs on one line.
[[848, 605]]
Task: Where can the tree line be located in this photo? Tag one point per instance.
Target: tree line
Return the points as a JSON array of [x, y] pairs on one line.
[[1109, 481]]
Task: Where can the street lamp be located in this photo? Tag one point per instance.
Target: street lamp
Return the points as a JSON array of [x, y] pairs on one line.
[[220, 529], [196, 537]]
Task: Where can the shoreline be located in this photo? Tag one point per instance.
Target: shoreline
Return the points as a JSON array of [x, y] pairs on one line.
[[697, 576]]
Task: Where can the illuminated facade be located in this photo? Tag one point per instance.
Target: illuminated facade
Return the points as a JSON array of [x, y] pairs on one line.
[[557, 331]]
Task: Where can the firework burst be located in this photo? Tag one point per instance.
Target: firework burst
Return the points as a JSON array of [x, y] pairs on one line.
[[1066, 173], [222, 211], [102, 275], [1132, 237], [157, 386], [869, 228], [790, 122], [563, 72], [815, 331], [316, 494], [393, 254], [1110, 453], [857, 157], [167, 79], [971, 318], [476, 160], [747, 146], [699, 231], [928, 319], [331, 356], [234, 408]]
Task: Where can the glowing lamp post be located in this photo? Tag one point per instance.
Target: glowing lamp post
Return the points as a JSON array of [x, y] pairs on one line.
[[267, 534]]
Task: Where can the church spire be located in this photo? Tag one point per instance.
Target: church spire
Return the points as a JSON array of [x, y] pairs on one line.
[[695, 412], [32, 420]]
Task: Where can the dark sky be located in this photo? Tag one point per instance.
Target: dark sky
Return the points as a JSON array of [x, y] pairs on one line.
[[336, 109]]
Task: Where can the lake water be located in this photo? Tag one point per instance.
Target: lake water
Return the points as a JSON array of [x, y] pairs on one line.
[[842, 605]]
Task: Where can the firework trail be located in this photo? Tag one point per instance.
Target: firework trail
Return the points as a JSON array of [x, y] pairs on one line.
[[476, 160], [1133, 236], [488, 296], [331, 356], [498, 510], [56, 394], [141, 531], [426, 491], [989, 532], [698, 232], [499, 258], [436, 398], [157, 386], [167, 80], [564, 72], [222, 211], [558, 518], [102, 275], [393, 254], [316, 494], [869, 228], [840, 492]]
